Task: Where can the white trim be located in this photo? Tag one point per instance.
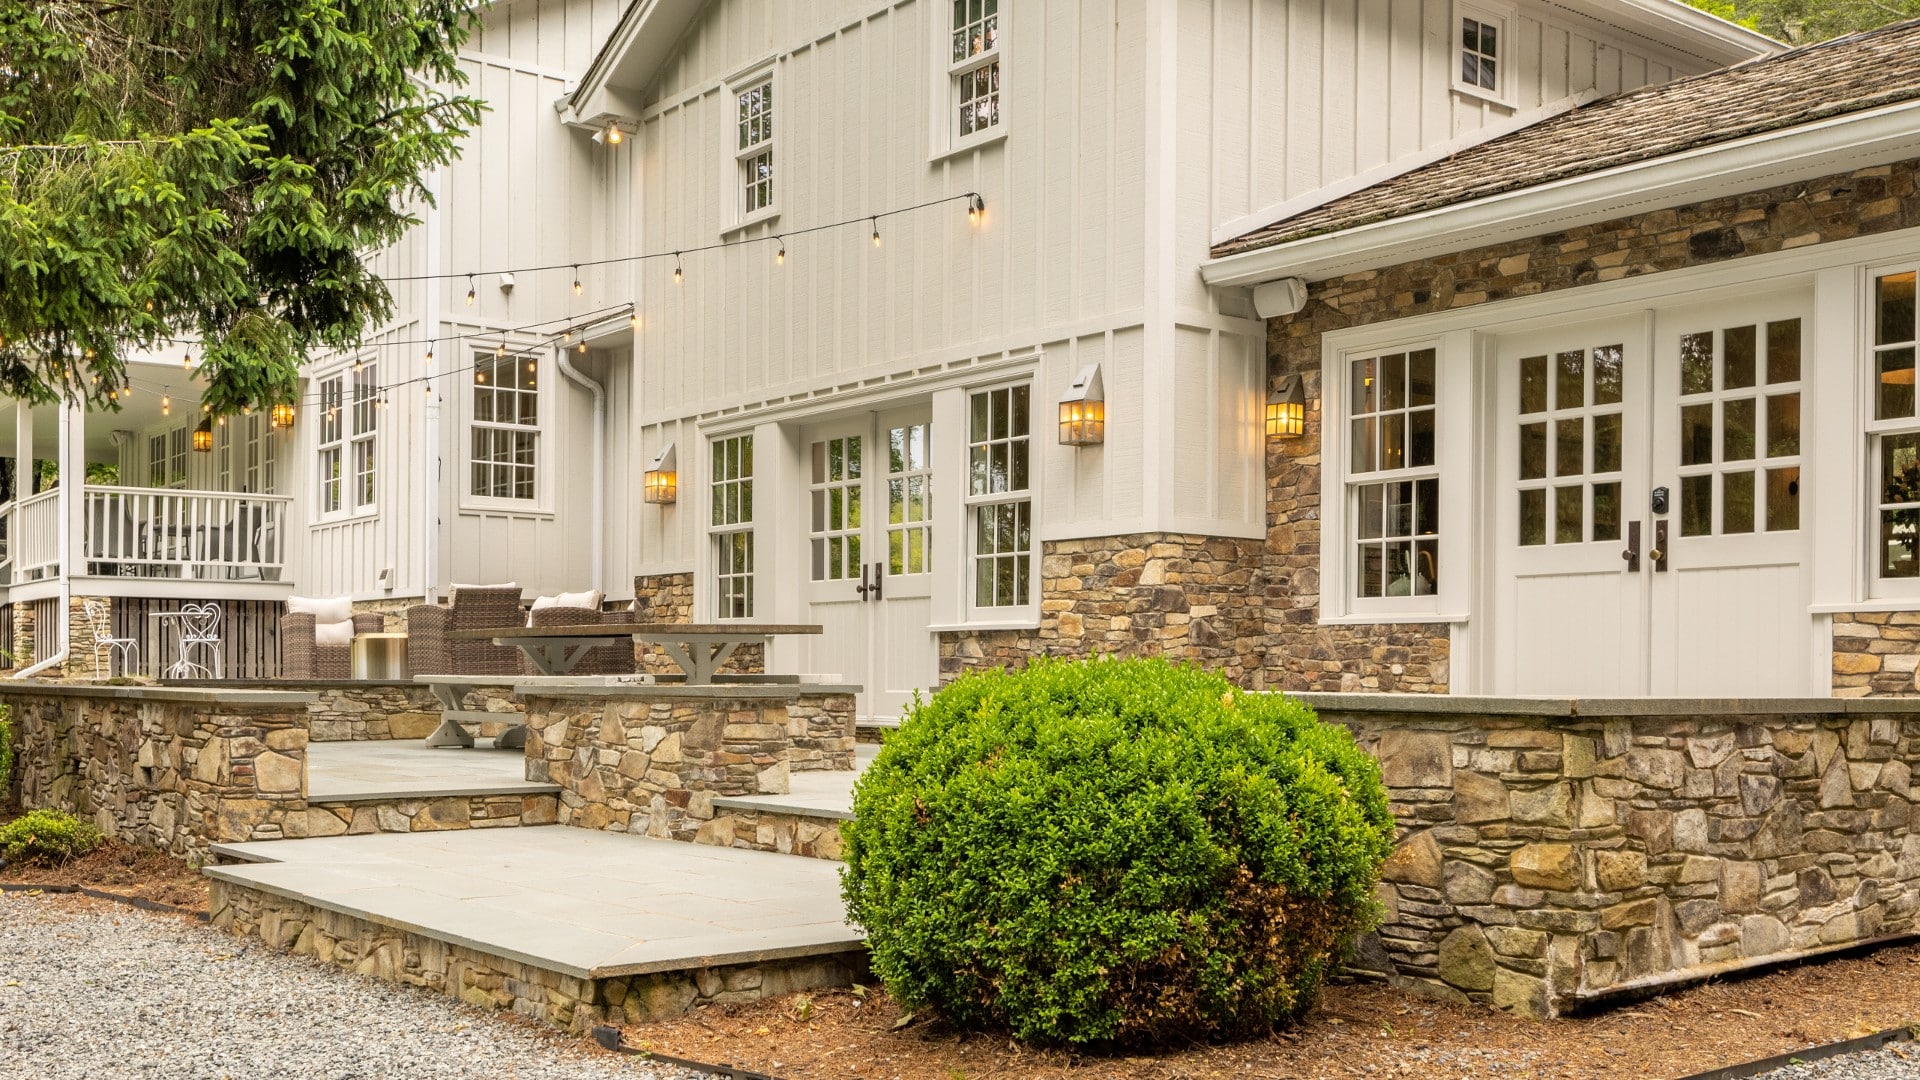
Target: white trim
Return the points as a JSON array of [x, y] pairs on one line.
[[984, 625], [808, 405], [734, 215], [1745, 165], [542, 504], [1503, 16], [943, 128]]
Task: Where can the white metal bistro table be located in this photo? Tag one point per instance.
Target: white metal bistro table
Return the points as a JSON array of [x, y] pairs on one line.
[[154, 619], [700, 649]]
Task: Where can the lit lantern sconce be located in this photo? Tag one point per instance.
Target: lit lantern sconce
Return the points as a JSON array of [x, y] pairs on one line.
[[282, 416], [203, 437], [1287, 410], [1083, 410], [662, 480]]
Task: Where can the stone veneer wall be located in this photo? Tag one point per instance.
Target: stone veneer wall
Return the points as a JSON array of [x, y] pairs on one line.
[[668, 598], [492, 982], [652, 759], [167, 769], [439, 813], [1864, 202], [1877, 654], [22, 644], [1545, 859]]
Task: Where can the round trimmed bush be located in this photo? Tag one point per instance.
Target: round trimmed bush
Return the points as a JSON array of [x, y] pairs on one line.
[[47, 836], [1113, 852]]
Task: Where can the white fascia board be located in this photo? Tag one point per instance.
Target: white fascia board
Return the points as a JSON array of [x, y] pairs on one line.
[[1675, 21], [1762, 161], [648, 32]]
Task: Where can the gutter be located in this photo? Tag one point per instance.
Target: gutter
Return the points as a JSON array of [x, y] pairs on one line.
[[1804, 152], [599, 392]]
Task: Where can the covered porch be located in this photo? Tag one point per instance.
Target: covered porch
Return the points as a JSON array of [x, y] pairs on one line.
[[110, 518]]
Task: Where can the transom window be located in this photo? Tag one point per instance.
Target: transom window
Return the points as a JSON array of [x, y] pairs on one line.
[[1393, 482], [974, 66], [835, 496], [506, 427], [753, 148], [1570, 445], [1740, 430], [1000, 497], [731, 490], [1895, 428], [909, 500]]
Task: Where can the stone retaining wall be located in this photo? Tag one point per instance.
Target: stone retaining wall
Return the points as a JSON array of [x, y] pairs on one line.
[[1554, 851], [772, 830], [1876, 653], [652, 758], [169, 769], [440, 813], [492, 982]]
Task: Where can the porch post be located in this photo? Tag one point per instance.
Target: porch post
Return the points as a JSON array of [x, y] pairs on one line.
[[73, 480], [22, 450]]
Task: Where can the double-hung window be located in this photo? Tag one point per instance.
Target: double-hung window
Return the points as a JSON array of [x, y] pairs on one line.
[[332, 444], [167, 459], [1000, 496], [731, 488], [506, 427], [973, 67], [753, 148], [1894, 430], [366, 425], [1393, 477]]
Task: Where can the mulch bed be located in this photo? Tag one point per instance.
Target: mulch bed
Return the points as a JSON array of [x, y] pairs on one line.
[[117, 868], [1358, 1031]]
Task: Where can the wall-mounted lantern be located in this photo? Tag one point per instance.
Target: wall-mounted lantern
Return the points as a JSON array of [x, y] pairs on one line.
[[1083, 410], [1287, 409], [282, 416], [203, 437], [662, 480]]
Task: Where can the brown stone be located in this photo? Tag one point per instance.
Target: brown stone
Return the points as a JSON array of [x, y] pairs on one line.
[[1416, 759], [1620, 869], [1478, 797], [1546, 866], [1417, 861]]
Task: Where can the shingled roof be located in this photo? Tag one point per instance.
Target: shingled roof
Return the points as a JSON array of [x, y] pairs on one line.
[[1833, 78]]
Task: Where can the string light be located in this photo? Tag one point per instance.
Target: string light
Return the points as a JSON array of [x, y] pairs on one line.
[[677, 275], [186, 363], [876, 231], [577, 288], [780, 256], [470, 293], [166, 405], [502, 350], [583, 352], [633, 320], [976, 207]]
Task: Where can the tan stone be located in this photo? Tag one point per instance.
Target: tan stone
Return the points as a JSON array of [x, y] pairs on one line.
[[442, 814], [1546, 866], [1551, 805], [1466, 959], [324, 823], [278, 773], [1416, 759], [719, 832], [1478, 797], [1417, 861], [1620, 869]]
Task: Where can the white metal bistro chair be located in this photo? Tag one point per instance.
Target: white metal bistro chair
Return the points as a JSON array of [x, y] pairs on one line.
[[100, 618], [200, 652]]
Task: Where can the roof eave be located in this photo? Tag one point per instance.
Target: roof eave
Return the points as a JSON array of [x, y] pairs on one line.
[[1725, 41], [1806, 152], [644, 38]]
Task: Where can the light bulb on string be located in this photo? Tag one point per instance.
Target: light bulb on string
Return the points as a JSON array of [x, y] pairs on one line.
[[567, 334], [501, 351], [633, 320], [470, 293], [166, 405], [780, 255], [876, 231], [583, 348], [577, 287], [976, 207], [677, 275]]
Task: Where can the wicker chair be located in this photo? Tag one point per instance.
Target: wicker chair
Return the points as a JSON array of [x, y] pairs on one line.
[[485, 607], [301, 657], [616, 659]]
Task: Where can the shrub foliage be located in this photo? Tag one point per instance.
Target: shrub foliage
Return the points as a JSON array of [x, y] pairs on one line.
[[47, 836], [1113, 852]]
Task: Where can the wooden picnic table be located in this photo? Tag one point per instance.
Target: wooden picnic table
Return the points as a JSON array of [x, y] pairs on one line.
[[698, 648]]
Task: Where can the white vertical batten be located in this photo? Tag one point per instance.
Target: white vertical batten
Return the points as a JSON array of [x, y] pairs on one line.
[[429, 441]]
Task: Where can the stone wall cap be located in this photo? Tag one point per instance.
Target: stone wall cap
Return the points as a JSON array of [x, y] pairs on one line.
[[293, 684], [563, 686], [182, 695], [1491, 705]]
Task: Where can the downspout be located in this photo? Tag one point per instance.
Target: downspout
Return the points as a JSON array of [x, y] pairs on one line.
[[599, 393], [431, 297]]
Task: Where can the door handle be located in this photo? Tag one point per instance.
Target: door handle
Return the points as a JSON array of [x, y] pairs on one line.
[[1657, 555], [1632, 554], [862, 587], [879, 574]]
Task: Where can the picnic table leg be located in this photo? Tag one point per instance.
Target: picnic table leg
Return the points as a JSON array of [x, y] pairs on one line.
[[555, 659], [451, 734]]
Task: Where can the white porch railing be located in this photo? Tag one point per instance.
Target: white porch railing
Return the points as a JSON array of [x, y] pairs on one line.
[[34, 536], [160, 532]]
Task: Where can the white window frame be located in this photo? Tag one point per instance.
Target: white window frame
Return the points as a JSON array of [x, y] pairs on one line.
[[331, 418], [975, 503], [949, 73], [1502, 18], [1876, 430], [223, 439], [363, 435], [258, 468], [543, 403], [722, 526], [734, 166], [1456, 354], [167, 458]]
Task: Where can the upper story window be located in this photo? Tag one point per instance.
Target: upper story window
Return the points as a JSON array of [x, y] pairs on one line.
[[1484, 67], [1000, 496], [506, 427], [731, 489], [366, 424], [330, 450], [753, 147], [1393, 476], [974, 66], [346, 459], [1894, 430]]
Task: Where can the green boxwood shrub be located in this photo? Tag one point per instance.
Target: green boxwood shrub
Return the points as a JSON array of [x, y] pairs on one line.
[[47, 836], [1113, 852]]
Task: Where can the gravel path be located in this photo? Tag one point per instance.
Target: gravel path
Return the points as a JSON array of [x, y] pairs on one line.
[[91, 989], [1896, 1061]]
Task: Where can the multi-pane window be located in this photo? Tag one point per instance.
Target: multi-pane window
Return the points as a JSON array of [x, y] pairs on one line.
[[1000, 496], [366, 425], [257, 460], [974, 65], [1393, 481], [331, 444], [731, 490], [1485, 48], [1895, 428], [224, 436], [1740, 429], [167, 458], [1571, 436], [753, 148], [1479, 53], [909, 500], [834, 492], [506, 427]]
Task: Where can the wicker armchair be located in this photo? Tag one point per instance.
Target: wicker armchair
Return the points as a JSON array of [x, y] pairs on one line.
[[484, 607], [301, 657], [616, 659]]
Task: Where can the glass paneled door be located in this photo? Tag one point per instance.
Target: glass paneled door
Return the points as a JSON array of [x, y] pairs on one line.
[[869, 556], [1647, 510]]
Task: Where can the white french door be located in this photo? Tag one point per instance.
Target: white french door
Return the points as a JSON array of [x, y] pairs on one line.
[[1647, 533], [869, 556]]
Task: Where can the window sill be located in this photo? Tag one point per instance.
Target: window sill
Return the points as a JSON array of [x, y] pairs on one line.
[[1885, 603], [1486, 96], [759, 217], [517, 507], [1031, 622], [967, 145], [1391, 618], [345, 518]]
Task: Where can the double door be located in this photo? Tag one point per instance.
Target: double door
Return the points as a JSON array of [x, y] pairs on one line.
[[1647, 522], [869, 555]]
